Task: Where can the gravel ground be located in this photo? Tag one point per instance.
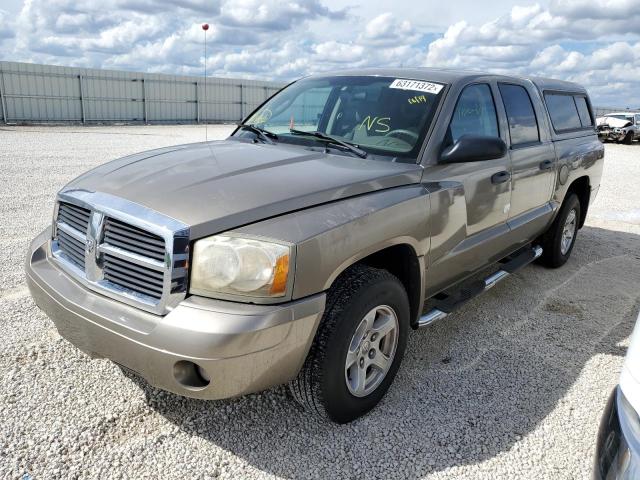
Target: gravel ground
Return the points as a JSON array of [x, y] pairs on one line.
[[511, 386]]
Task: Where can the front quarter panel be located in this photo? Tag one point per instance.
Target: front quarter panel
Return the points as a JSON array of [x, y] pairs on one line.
[[331, 237]]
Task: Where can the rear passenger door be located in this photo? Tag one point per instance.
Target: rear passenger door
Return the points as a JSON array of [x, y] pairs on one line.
[[533, 159]]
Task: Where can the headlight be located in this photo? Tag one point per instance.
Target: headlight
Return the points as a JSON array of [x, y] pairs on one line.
[[239, 266]]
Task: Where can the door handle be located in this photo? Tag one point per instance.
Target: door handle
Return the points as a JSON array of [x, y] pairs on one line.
[[546, 164], [500, 177]]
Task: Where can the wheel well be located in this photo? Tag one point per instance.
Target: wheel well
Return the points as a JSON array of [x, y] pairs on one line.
[[401, 261], [582, 189]]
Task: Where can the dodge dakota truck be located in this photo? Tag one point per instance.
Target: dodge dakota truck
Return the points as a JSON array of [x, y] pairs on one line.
[[345, 211]]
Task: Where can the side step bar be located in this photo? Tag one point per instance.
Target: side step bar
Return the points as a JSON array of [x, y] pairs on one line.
[[445, 306]]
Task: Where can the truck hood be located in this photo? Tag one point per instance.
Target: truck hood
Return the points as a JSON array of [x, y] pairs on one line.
[[216, 186], [613, 122]]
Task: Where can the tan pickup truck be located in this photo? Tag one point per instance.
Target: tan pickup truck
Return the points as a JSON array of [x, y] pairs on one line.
[[345, 211]]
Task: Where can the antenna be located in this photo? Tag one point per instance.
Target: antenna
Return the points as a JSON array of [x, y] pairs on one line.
[[205, 27]]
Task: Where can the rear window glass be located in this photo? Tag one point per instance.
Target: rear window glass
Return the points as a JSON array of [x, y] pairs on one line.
[[563, 111], [523, 126], [583, 111]]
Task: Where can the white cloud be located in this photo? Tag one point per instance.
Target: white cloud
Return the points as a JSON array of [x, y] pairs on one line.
[[336, 52], [532, 39], [274, 14], [595, 9], [387, 30], [595, 42], [6, 29]]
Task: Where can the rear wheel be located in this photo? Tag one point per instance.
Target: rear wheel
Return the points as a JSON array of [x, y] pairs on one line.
[[358, 347], [558, 241]]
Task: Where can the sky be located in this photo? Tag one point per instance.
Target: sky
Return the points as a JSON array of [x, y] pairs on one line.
[[593, 42]]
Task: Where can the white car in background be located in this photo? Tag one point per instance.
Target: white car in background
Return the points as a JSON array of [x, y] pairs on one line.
[[618, 448], [621, 127]]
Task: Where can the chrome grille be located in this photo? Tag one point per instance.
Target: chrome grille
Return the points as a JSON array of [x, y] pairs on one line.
[[74, 216], [133, 239], [72, 247], [122, 249], [71, 226], [133, 277]]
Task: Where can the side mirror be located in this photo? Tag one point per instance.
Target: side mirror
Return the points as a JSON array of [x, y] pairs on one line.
[[474, 148]]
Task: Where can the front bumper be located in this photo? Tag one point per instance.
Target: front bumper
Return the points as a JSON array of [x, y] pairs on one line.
[[611, 135], [618, 445], [242, 348]]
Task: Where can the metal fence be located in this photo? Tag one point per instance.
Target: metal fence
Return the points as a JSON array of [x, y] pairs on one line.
[[31, 93]]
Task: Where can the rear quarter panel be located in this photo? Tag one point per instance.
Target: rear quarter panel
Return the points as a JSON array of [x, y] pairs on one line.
[[578, 156]]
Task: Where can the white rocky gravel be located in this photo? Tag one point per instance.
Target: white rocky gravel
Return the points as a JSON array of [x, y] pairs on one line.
[[511, 386]]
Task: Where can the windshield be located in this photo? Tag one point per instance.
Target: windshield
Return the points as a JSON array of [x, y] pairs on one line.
[[380, 115]]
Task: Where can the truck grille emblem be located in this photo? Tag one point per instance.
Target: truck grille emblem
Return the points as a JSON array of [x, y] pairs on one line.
[[90, 245]]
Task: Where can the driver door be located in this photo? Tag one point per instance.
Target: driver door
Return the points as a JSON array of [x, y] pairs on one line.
[[487, 184], [469, 217]]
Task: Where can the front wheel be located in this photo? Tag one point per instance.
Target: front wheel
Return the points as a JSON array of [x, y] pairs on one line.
[[358, 347], [558, 241], [628, 138]]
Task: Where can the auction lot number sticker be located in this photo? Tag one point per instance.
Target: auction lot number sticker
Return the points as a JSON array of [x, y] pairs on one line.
[[417, 85]]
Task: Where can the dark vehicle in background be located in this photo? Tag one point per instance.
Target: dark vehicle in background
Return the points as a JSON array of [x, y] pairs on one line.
[[345, 211], [621, 127], [618, 445]]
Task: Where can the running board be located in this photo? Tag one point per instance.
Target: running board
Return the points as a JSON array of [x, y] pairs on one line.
[[448, 304]]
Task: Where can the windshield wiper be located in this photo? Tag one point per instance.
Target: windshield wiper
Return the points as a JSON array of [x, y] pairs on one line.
[[328, 138], [264, 134]]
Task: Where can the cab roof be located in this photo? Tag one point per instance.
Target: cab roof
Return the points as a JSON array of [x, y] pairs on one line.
[[452, 76]]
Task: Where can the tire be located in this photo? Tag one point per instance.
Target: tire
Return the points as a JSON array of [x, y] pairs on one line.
[[554, 252], [321, 386], [628, 138]]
